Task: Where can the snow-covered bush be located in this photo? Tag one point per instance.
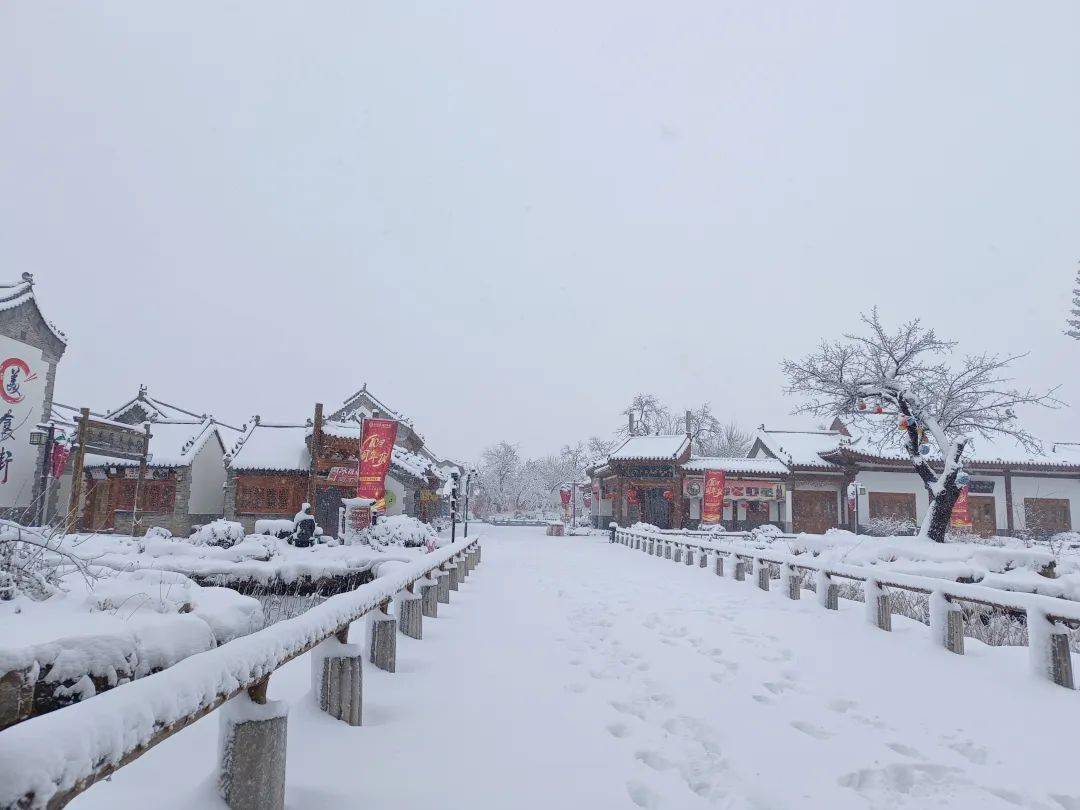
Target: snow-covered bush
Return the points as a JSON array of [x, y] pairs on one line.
[[275, 528], [32, 561], [398, 530], [887, 526], [765, 533], [158, 533], [221, 532]]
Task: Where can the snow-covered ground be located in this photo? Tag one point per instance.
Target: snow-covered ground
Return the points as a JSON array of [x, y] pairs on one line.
[[572, 673]]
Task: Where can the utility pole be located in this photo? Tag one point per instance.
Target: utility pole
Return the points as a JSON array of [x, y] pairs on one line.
[[77, 471], [468, 485]]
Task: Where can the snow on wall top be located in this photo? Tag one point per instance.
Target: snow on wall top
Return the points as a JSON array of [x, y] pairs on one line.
[[651, 448], [173, 443], [22, 292], [761, 465], [799, 448]]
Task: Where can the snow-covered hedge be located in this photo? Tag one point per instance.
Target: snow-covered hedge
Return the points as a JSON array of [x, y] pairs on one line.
[[221, 532], [275, 528], [399, 530]]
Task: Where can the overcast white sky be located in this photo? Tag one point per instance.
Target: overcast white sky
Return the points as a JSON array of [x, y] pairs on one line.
[[251, 206]]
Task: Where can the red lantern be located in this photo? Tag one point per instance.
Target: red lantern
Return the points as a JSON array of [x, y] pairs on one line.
[[669, 495], [862, 405], [879, 409]]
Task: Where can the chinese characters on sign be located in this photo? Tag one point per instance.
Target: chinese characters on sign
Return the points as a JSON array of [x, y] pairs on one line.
[[22, 401], [712, 501], [376, 447]]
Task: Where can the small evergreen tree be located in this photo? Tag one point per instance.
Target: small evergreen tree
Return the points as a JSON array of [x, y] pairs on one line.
[[1074, 314]]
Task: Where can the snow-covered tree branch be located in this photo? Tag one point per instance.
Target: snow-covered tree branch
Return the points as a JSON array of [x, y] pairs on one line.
[[908, 380]]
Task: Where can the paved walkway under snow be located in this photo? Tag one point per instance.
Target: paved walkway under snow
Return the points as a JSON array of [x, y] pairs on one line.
[[571, 673]]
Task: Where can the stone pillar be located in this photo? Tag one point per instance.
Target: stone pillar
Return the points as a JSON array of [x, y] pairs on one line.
[[474, 558], [337, 672], [719, 565], [410, 614], [454, 576], [429, 598], [703, 559], [16, 697], [954, 631], [667, 551], [1061, 669], [382, 639], [462, 566], [762, 574], [677, 556], [740, 570], [689, 556], [251, 753], [477, 547], [442, 586]]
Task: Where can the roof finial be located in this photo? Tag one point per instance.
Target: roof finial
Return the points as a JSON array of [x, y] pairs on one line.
[[142, 392], [28, 278]]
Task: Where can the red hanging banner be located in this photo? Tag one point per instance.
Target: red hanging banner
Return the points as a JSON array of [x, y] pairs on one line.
[[961, 511], [712, 502], [376, 447]]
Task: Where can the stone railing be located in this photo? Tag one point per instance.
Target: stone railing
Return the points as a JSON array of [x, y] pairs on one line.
[[47, 761], [1048, 619]]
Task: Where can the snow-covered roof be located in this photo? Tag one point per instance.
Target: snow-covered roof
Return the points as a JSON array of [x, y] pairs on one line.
[[269, 446], [761, 465], [153, 408], [652, 448], [1000, 449], [22, 292], [798, 448], [173, 443], [355, 404], [412, 463]]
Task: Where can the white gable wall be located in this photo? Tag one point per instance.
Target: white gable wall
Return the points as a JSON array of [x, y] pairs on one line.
[[207, 480]]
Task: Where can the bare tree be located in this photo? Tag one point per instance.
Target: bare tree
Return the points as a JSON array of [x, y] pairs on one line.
[[731, 441], [598, 448], [907, 375], [499, 468], [1073, 321], [650, 416]]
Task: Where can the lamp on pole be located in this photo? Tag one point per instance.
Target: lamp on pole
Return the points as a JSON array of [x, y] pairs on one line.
[[468, 485], [44, 435], [455, 476]]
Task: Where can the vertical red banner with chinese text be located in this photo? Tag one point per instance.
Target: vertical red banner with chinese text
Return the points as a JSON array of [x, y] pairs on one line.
[[961, 511], [712, 502], [376, 447]]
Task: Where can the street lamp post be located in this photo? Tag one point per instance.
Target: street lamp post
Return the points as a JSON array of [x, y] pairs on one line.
[[453, 506], [44, 434]]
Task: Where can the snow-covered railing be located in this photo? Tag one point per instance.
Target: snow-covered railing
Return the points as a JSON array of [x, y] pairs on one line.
[[1048, 619], [48, 760]]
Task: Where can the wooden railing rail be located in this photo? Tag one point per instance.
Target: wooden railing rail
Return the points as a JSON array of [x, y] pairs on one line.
[[48, 760], [1048, 618]]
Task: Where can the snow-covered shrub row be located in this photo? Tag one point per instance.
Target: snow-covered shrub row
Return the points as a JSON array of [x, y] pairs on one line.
[[275, 528], [53, 752], [94, 634], [399, 530], [221, 532], [1012, 565]]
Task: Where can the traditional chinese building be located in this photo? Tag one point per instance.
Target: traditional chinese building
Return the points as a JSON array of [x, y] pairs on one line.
[[30, 349], [275, 468], [800, 481], [184, 483]]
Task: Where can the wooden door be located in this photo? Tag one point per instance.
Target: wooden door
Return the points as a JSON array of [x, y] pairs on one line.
[[983, 515], [1044, 517], [814, 511]]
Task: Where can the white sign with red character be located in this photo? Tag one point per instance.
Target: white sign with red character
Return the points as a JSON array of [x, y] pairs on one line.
[[22, 402]]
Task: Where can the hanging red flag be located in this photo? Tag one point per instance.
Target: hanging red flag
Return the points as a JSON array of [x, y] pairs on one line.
[[376, 447], [712, 502], [961, 511]]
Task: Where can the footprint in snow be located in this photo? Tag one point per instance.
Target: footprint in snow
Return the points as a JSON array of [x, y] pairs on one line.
[[810, 729], [618, 730], [654, 759], [642, 795], [904, 750], [841, 705]]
